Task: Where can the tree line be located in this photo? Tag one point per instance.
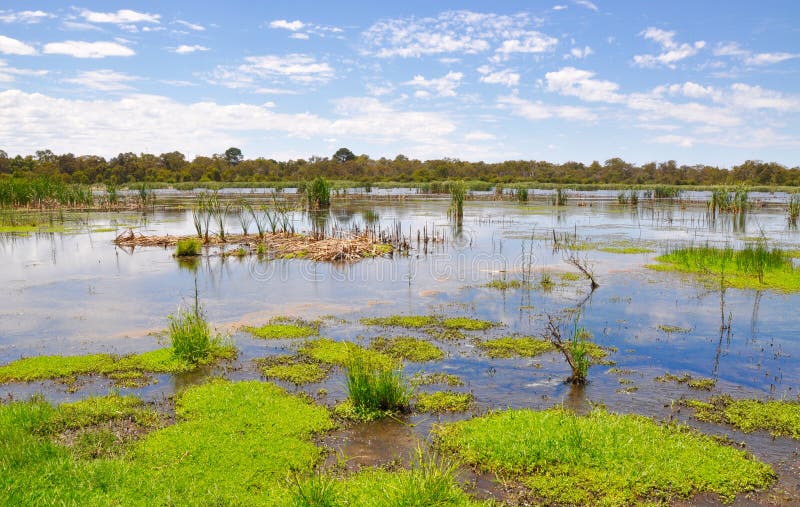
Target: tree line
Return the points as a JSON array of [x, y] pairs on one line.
[[231, 166]]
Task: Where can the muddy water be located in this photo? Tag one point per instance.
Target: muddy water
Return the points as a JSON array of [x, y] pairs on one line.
[[77, 293]]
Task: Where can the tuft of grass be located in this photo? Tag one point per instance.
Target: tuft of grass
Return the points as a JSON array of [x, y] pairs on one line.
[[408, 348], [780, 418], [458, 192], [467, 324], [513, 346], [444, 401], [318, 193], [505, 284], [188, 247], [279, 329], [546, 281], [374, 390], [291, 369], [602, 458], [570, 277], [97, 409], [191, 337], [793, 208]]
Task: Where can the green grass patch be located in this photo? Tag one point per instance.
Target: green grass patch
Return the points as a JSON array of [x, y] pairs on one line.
[[53, 367], [374, 391], [336, 353], [97, 409], [754, 267], [602, 458], [467, 324], [188, 247], [282, 328], [408, 348], [291, 369], [625, 249], [673, 329], [701, 383], [429, 321], [570, 277], [444, 401], [780, 418], [506, 284], [515, 346]]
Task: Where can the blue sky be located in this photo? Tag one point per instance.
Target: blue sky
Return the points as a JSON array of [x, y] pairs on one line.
[[696, 82]]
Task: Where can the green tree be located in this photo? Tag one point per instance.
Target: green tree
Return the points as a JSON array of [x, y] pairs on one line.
[[343, 155], [233, 155]]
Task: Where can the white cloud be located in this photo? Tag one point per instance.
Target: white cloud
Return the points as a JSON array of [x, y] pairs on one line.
[[586, 3], [191, 26], [462, 32], [103, 80], [579, 53], [754, 97], [287, 25], [672, 52], [682, 141], [477, 135], [582, 84], [121, 17], [559, 7], [535, 111], [9, 74], [300, 36], [733, 49], [185, 49], [83, 49], [653, 107], [27, 17], [299, 68], [11, 46], [444, 86], [687, 89], [504, 77]]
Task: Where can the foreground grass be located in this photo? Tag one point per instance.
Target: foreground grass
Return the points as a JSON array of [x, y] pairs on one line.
[[754, 267], [335, 353], [58, 367], [602, 458], [292, 369], [780, 418]]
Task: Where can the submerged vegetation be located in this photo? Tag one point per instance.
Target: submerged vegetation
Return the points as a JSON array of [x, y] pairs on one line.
[[704, 384], [408, 348], [444, 401], [513, 346], [602, 458], [780, 418]]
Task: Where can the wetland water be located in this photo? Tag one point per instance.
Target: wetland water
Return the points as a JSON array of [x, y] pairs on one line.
[[76, 293]]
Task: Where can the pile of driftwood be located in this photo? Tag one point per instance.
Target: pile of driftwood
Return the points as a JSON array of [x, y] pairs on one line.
[[348, 248]]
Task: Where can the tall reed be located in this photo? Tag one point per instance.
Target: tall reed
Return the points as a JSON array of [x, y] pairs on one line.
[[458, 192]]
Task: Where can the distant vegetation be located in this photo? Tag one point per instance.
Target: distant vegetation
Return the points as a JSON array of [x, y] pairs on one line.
[[231, 166]]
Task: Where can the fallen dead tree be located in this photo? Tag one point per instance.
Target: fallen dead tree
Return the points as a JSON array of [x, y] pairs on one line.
[[343, 248]]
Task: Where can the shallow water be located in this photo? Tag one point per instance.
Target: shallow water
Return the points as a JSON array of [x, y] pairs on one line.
[[77, 293]]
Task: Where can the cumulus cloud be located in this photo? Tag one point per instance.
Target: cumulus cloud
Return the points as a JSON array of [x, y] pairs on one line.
[[535, 111], [672, 52], [83, 49], [505, 77], [444, 86], [103, 80], [287, 25], [185, 49], [464, 32], [191, 26], [579, 53], [297, 68], [156, 124], [582, 84], [589, 5], [11, 46], [121, 17], [26, 17]]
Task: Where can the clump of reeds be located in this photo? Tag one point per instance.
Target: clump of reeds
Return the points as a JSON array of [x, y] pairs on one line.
[[370, 216], [318, 193], [575, 349], [522, 193], [793, 208], [725, 200], [629, 198], [188, 247], [559, 198], [458, 192], [666, 192], [754, 259], [190, 334], [375, 388]]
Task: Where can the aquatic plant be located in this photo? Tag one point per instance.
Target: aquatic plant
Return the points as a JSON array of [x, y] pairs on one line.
[[559, 197], [318, 193], [284, 328], [601, 458], [780, 418], [244, 213], [375, 390], [631, 197], [292, 369], [522, 193], [576, 350], [793, 208], [187, 247], [112, 196], [190, 335], [408, 348], [666, 192], [458, 192], [515, 346], [444, 401]]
